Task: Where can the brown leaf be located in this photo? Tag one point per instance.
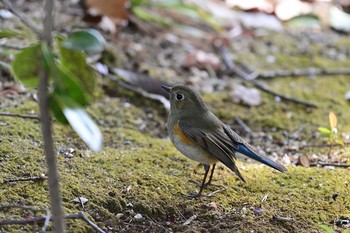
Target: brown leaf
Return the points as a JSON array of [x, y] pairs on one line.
[[304, 161], [109, 14], [332, 120]]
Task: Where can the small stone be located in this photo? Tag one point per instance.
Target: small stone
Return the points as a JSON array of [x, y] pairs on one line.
[[81, 200], [334, 196], [258, 211], [212, 205], [120, 215], [138, 216]]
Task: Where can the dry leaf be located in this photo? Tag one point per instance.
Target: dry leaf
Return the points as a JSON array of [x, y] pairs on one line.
[[332, 120], [110, 15]]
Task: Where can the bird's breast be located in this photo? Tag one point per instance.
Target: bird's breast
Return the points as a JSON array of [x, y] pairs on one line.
[[189, 148]]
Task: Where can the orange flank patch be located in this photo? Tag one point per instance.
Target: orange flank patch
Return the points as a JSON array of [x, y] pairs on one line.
[[181, 135]]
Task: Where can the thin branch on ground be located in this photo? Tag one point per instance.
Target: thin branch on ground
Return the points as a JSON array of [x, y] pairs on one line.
[[47, 218], [19, 115], [325, 145], [250, 77], [304, 72], [31, 178], [31, 208], [282, 219], [243, 125], [47, 221], [25, 20], [12, 46], [322, 164]]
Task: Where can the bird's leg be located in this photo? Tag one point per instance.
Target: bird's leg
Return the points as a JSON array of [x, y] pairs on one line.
[[206, 168], [211, 175], [222, 188], [204, 184]]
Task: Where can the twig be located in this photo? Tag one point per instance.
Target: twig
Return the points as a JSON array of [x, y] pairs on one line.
[[31, 178], [29, 220], [27, 21], [345, 165], [243, 125], [251, 78], [19, 115], [12, 46], [324, 145], [33, 209], [47, 220], [188, 221], [304, 72], [282, 219]]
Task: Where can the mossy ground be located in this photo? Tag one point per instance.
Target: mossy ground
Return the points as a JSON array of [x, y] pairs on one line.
[[140, 173]]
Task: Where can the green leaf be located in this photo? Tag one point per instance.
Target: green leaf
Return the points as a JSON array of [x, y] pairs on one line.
[[326, 228], [65, 82], [80, 121], [150, 16], [136, 2], [56, 109], [75, 62], [325, 130], [90, 41], [69, 85], [5, 65], [340, 142], [27, 64], [8, 33], [304, 21]]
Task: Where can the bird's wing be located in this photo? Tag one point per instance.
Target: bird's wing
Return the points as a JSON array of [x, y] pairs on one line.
[[218, 146]]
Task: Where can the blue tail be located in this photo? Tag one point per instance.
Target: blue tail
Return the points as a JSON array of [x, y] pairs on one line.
[[251, 154]]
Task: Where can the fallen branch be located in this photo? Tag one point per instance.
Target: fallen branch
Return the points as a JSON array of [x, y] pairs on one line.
[[31, 178], [304, 72], [47, 218], [19, 115], [250, 77], [244, 126], [321, 164], [325, 145], [282, 219], [27, 21]]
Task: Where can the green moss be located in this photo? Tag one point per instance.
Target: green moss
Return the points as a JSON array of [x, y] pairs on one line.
[[138, 172]]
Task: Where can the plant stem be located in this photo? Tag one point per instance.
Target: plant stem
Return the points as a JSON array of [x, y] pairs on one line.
[[46, 128]]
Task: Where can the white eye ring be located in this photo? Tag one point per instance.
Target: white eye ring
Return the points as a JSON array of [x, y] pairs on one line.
[[179, 97]]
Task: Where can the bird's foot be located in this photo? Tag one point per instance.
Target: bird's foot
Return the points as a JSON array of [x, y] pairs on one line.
[[209, 183], [199, 194]]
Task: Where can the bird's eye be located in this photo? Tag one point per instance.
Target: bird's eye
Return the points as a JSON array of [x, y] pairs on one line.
[[179, 96]]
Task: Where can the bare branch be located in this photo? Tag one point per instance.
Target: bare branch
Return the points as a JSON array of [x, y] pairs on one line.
[[47, 218], [250, 77], [31, 178], [19, 115], [25, 20], [312, 71], [282, 219], [322, 164]]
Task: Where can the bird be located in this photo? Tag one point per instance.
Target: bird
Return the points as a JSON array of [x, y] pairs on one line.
[[198, 134]]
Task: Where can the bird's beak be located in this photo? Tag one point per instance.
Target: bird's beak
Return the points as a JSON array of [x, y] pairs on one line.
[[168, 89]]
